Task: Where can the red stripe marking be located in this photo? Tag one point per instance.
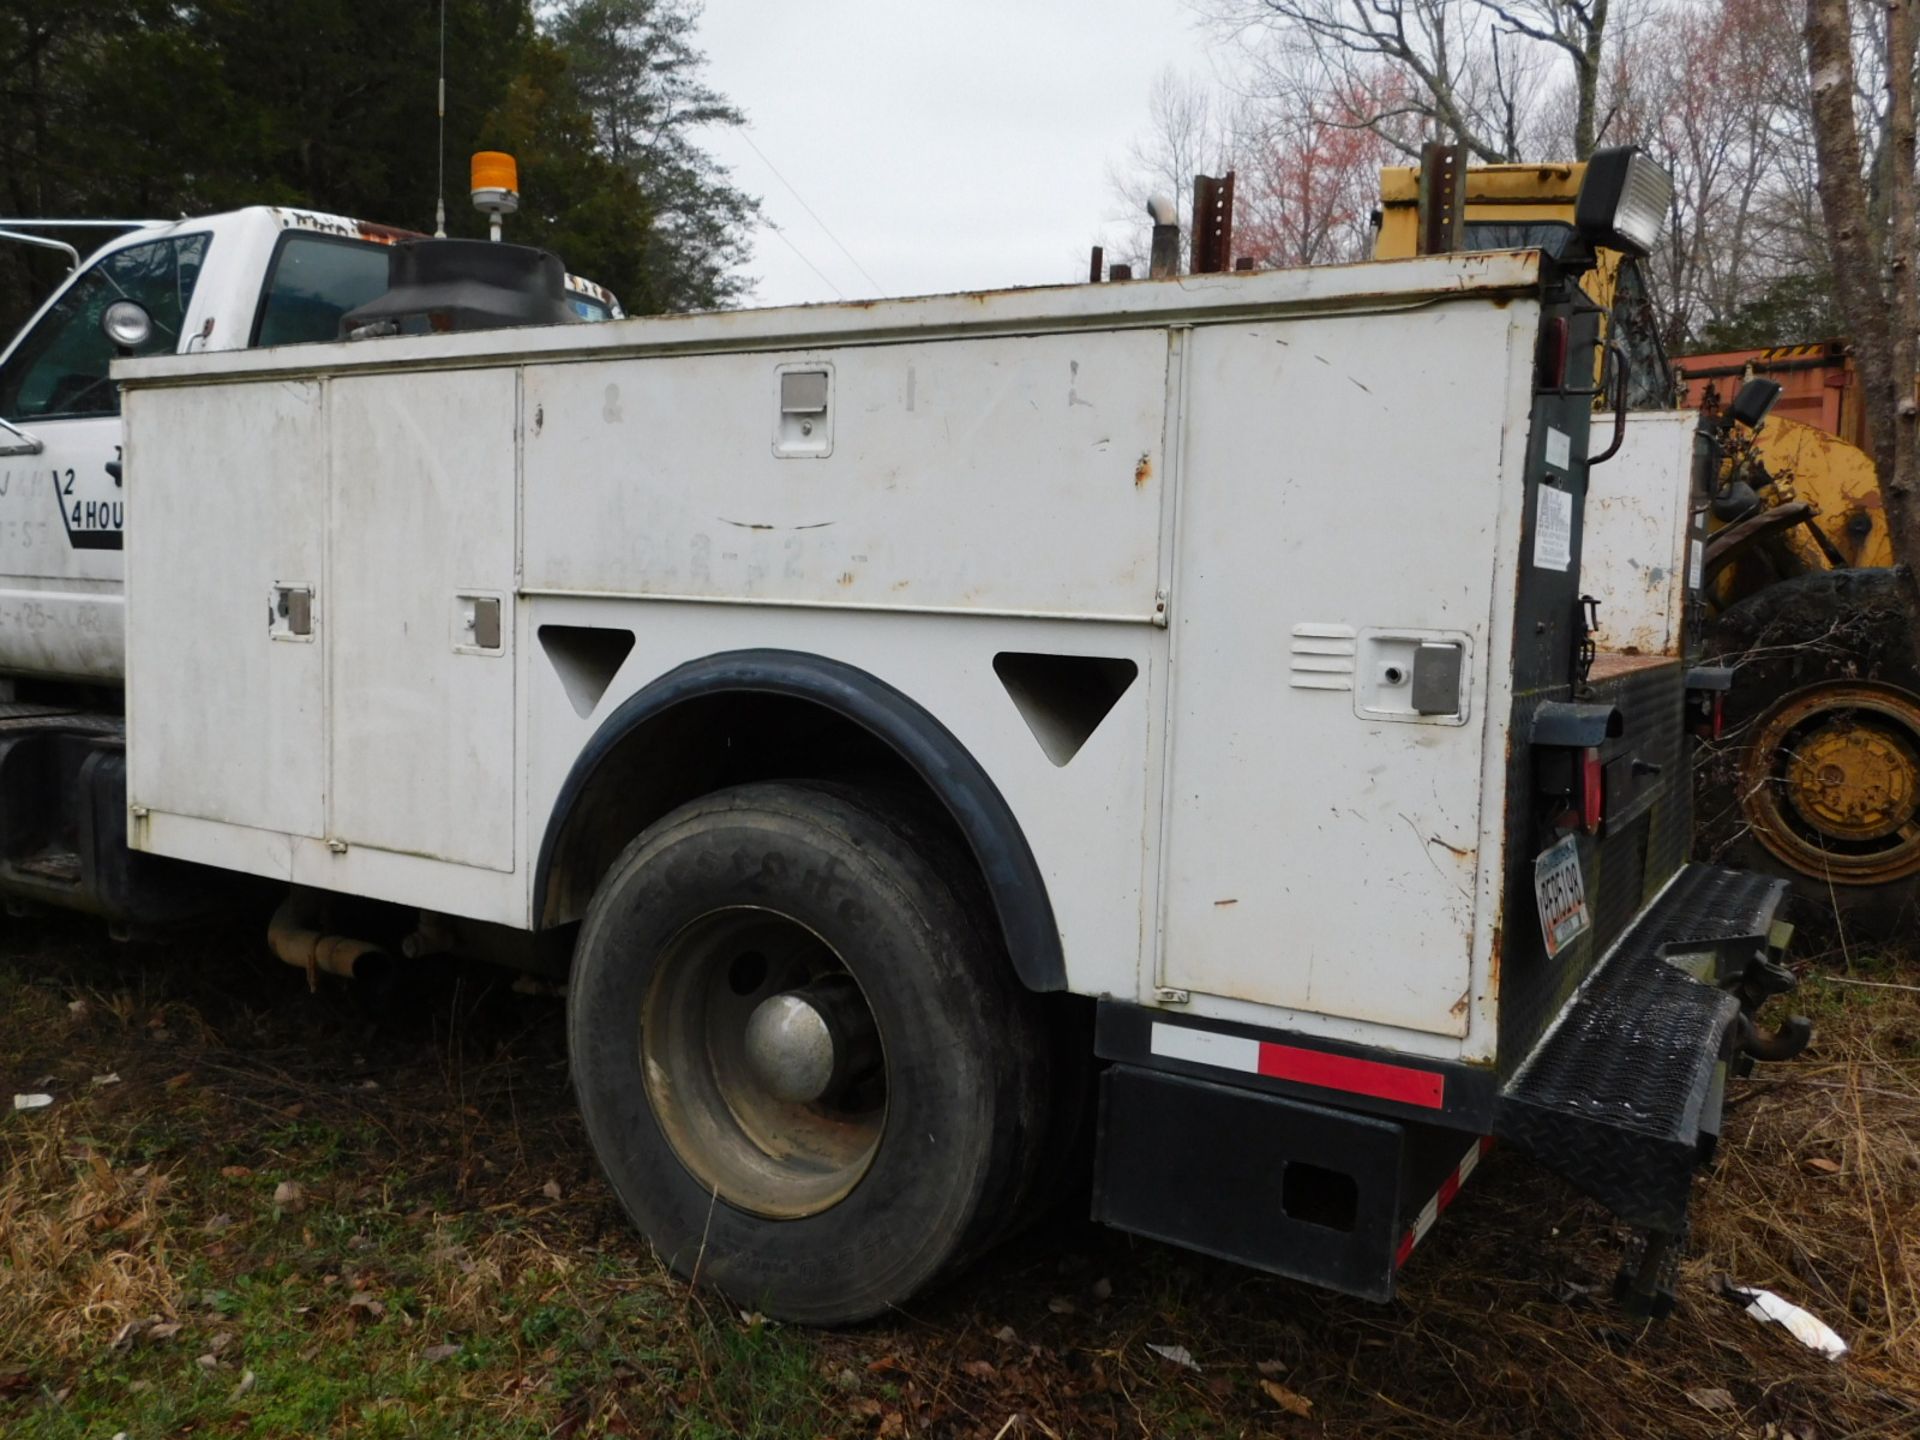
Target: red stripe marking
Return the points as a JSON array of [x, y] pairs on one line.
[[1449, 1188], [1425, 1088]]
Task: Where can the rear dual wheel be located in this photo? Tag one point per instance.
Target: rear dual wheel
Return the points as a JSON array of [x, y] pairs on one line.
[[800, 1052]]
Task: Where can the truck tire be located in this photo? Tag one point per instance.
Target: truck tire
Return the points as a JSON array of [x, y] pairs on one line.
[[801, 1054], [1818, 776]]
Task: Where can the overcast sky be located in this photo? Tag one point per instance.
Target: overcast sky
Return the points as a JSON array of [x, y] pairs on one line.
[[948, 146]]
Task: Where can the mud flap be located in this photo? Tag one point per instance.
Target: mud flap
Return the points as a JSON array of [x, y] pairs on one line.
[[1312, 1192]]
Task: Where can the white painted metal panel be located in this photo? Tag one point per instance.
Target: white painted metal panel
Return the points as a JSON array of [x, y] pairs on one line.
[[1341, 486], [1381, 285], [421, 514], [1007, 475], [226, 721], [1088, 822], [1633, 547]]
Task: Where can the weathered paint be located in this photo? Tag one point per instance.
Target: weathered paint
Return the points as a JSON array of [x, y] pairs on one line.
[[1838, 479], [1818, 384], [980, 496], [1634, 552]]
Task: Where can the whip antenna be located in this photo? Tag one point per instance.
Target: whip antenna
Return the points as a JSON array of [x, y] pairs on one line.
[[440, 187]]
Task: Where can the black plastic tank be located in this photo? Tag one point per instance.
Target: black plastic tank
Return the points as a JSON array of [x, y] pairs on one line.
[[437, 287]]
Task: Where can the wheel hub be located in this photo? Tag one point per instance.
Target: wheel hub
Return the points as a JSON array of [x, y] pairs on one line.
[[790, 1048], [1833, 787], [810, 1044], [762, 1062], [1854, 779]]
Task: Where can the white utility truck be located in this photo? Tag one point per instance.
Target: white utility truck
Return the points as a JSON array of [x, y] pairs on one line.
[[885, 714]]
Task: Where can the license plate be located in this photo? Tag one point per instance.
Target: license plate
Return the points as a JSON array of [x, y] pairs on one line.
[[1562, 894]]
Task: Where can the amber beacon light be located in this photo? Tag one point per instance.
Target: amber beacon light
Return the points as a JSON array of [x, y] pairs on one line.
[[495, 186]]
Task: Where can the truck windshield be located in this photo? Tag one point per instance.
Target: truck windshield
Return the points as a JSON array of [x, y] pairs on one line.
[[1548, 235], [59, 370]]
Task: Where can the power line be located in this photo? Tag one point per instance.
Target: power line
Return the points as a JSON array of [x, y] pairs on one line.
[[803, 258], [878, 289]]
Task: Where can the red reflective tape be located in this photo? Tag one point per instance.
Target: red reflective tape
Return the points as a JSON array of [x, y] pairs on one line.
[[1402, 1083], [1449, 1189]]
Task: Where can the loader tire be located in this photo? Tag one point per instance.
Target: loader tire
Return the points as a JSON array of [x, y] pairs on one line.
[[1817, 776], [801, 1054]]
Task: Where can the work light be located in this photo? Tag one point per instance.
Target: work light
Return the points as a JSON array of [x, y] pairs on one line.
[[1623, 200]]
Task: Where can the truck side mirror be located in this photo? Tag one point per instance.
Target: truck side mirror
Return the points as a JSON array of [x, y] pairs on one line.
[[127, 325]]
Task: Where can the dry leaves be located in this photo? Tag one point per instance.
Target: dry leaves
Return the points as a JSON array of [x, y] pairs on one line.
[[1291, 1401], [363, 1306]]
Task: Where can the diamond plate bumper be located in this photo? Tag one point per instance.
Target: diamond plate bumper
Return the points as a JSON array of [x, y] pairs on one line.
[[1622, 1094]]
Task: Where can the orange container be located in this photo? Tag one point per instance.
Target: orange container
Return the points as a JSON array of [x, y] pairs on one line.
[[1817, 384]]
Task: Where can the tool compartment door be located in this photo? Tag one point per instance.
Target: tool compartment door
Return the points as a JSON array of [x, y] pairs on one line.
[[225, 716], [421, 544], [1338, 500]]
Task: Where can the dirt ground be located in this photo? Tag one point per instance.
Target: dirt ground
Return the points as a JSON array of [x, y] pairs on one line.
[[250, 1210]]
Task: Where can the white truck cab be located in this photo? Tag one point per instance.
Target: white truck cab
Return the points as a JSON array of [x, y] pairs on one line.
[[260, 277]]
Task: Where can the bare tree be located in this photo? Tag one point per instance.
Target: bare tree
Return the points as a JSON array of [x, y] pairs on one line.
[[1867, 195], [1308, 181], [1472, 69], [1576, 28], [1701, 90]]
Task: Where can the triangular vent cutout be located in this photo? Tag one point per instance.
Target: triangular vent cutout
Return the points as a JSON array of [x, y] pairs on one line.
[[1063, 698], [586, 658]]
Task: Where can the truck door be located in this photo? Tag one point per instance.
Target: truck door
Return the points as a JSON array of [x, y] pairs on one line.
[[66, 504]]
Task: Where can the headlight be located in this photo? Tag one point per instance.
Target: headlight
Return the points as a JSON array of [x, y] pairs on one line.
[[1623, 201]]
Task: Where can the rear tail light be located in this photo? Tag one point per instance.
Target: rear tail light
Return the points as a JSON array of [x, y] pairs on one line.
[[1592, 790], [1716, 719]]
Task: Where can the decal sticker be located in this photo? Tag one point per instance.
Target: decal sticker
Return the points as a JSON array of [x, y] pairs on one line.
[[91, 524], [1552, 529], [1559, 449]]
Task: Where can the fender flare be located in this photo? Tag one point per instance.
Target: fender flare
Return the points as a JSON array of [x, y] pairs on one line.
[[946, 767]]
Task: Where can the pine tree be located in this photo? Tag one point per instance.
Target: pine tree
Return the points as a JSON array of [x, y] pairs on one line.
[[638, 73]]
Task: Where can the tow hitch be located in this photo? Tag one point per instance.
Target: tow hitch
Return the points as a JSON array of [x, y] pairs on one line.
[[1763, 979]]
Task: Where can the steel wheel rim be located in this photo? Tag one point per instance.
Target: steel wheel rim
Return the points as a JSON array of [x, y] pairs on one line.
[[718, 1103], [1833, 785]]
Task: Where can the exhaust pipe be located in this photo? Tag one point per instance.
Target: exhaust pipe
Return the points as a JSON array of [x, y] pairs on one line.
[[317, 952], [1164, 257]]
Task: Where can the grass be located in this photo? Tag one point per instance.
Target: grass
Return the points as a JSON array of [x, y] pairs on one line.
[[284, 1220]]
